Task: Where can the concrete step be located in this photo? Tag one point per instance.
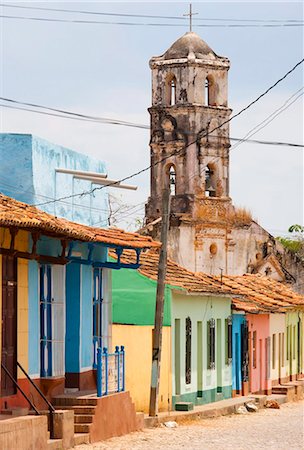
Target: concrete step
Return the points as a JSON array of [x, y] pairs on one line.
[[82, 409], [64, 402], [82, 427], [184, 406], [83, 418], [54, 444], [288, 390], [81, 438]]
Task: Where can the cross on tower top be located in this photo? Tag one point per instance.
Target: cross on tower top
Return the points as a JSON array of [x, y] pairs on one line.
[[190, 14]]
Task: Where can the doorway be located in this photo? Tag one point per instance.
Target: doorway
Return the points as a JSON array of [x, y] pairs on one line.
[[219, 354], [9, 323]]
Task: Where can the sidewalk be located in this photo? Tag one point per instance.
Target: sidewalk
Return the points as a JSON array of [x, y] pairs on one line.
[[216, 409]]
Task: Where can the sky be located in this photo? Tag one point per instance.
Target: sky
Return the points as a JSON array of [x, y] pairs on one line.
[[103, 70]]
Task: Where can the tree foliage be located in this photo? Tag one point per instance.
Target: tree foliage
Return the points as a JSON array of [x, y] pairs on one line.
[[295, 243]]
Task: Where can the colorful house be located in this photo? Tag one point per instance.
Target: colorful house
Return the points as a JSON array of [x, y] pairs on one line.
[[196, 349], [267, 333], [55, 300]]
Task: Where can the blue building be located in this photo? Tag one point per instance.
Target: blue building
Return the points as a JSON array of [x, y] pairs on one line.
[[69, 305], [29, 172], [239, 353]]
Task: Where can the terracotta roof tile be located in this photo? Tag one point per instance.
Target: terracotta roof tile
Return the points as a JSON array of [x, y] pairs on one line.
[[23, 216], [176, 275], [249, 293]]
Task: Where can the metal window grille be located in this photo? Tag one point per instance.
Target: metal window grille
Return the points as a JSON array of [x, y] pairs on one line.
[[188, 351], [211, 343], [245, 351]]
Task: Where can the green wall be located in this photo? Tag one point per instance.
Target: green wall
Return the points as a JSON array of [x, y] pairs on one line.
[[134, 297]]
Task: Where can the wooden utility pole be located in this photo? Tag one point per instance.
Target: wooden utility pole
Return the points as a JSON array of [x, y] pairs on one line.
[[159, 309]]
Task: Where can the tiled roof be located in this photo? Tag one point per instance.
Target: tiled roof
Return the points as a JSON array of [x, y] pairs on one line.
[[23, 216], [249, 293], [262, 294], [176, 275]]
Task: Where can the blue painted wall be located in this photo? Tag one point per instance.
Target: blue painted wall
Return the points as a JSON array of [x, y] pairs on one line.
[[86, 316], [27, 173], [237, 321]]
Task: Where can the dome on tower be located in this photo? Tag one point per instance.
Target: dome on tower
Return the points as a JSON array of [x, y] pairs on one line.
[[189, 44]]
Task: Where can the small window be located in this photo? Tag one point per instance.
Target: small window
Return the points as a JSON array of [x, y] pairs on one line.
[[228, 339], [209, 91], [211, 343], [274, 351], [188, 351], [254, 349]]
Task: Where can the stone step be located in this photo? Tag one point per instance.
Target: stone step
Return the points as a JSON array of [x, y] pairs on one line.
[[79, 409], [81, 438], [83, 418], [64, 402], [184, 406], [82, 427], [54, 444]]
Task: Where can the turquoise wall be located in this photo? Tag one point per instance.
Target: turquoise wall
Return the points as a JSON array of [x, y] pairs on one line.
[[72, 339], [237, 321]]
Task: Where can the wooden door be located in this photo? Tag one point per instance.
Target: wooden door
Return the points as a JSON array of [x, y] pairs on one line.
[[9, 323]]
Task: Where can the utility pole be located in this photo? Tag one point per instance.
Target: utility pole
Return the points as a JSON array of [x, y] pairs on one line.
[[159, 309]]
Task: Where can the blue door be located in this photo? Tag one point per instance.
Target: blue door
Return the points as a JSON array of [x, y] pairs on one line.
[[45, 320]]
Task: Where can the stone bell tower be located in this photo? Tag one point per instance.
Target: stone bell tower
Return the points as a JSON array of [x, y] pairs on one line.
[[189, 101]]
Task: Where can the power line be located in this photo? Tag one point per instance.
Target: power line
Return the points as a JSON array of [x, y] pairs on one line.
[[145, 16], [198, 134], [86, 118], [145, 24], [270, 118]]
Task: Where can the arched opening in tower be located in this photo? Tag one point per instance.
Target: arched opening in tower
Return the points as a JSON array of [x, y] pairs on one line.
[[210, 181], [171, 179], [171, 90]]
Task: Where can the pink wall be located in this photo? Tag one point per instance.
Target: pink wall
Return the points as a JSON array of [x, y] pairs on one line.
[[259, 381]]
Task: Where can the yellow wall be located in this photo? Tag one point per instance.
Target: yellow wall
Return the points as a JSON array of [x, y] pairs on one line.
[[21, 244], [138, 345]]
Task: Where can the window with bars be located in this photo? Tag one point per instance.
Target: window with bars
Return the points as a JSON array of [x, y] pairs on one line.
[[228, 339], [274, 351], [211, 343], [52, 320], [188, 351]]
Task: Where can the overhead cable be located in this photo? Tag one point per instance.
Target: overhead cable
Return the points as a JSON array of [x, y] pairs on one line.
[[148, 24], [200, 135], [144, 16]]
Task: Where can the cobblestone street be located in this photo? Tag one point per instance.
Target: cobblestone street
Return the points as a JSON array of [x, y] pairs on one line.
[[267, 429]]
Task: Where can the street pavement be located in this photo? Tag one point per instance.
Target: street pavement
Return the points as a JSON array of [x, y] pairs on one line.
[[281, 429]]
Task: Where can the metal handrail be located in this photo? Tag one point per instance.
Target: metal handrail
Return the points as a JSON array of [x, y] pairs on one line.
[[51, 407], [19, 388]]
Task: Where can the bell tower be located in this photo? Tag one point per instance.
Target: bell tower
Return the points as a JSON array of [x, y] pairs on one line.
[[189, 101]]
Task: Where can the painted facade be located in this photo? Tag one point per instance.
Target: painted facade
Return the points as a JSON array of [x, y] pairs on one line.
[[204, 379], [190, 371], [55, 299], [277, 336], [32, 162]]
